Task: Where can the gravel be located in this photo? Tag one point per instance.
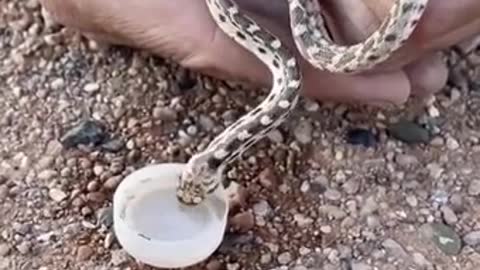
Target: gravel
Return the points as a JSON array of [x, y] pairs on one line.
[[399, 191]]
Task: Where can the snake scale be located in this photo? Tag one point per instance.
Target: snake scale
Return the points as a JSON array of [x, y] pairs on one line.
[[204, 170]]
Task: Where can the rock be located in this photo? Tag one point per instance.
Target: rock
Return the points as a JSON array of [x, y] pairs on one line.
[[87, 132], [359, 136], [236, 194], [435, 170], [452, 144], [91, 87], [303, 132], [395, 249], [284, 258], [3, 192], [164, 114], [4, 249], [444, 237], [113, 182], [262, 208], [472, 238], [57, 83], [185, 80], [448, 215], [243, 221], [409, 132], [233, 266], [369, 206], [105, 216], [412, 201], [351, 186], [96, 197], [275, 136], [84, 253], [47, 175], [332, 211], [305, 187], [266, 258], [214, 265], [118, 257], [24, 247], [206, 123], [360, 266], [268, 178], [420, 260], [326, 229], [406, 160], [301, 220], [113, 145], [333, 195], [474, 188], [57, 194]]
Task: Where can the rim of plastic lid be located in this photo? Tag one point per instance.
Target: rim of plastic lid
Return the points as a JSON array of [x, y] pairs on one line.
[[163, 253]]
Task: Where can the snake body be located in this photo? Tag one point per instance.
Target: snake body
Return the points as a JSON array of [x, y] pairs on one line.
[[204, 169]]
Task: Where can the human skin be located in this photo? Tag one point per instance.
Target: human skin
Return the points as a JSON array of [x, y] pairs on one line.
[[184, 31]]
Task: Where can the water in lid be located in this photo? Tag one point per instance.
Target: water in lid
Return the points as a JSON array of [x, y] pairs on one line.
[[160, 216]]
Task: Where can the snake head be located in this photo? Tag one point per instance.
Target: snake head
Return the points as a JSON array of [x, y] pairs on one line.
[[196, 182], [190, 192]]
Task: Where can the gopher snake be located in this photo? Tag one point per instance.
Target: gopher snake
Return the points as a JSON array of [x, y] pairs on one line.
[[204, 170]]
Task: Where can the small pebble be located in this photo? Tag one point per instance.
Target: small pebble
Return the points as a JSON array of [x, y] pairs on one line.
[[448, 215], [333, 194], [118, 257], [452, 144], [262, 208], [268, 178], [243, 221], [474, 188], [351, 186], [24, 247], [57, 194], [472, 238], [113, 182], [284, 258], [360, 266], [84, 253], [214, 265], [4, 249], [91, 87], [303, 132]]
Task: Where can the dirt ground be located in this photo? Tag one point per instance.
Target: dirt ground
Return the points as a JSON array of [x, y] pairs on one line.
[[314, 198]]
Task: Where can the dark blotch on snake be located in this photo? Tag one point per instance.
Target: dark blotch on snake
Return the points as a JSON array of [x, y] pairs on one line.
[[275, 64], [241, 36], [372, 57], [390, 38], [222, 18], [214, 163]]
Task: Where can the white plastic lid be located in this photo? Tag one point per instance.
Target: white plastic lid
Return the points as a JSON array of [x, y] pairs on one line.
[[154, 228]]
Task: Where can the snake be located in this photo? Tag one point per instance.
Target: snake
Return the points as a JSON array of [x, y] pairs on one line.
[[204, 170]]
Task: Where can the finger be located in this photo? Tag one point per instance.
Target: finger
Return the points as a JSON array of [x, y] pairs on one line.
[[459, 21], [389, 88], [427, 75], [382, 89]]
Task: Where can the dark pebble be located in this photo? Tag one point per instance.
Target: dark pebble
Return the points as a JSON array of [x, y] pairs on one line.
[[185, 80], [87, 133], [105, 216], [359, 136], [409, 132]]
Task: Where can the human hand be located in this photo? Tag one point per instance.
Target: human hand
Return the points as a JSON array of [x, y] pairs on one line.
[[184, 31]]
